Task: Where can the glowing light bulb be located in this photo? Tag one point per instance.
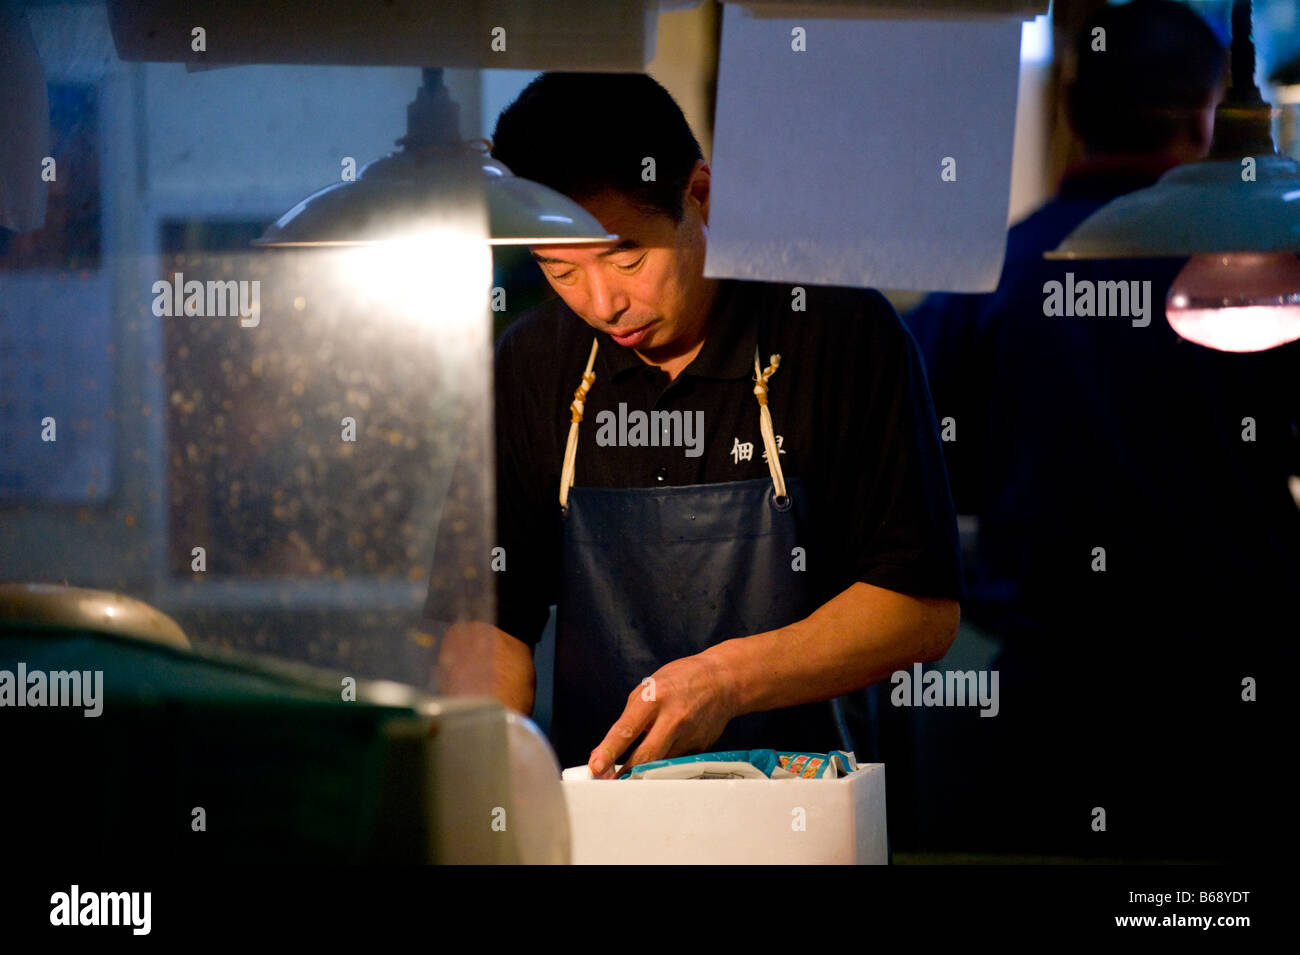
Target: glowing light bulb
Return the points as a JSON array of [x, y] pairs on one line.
[[1237, 302]]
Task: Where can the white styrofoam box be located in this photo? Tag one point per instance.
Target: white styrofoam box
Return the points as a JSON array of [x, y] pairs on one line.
[[728, 821]]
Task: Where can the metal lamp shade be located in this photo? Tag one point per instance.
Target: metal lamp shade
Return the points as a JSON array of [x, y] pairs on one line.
[[401, 193], [1203, 207]]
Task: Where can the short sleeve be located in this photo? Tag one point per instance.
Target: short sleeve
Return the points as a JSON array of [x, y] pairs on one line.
[[523, 572], [901, 525]]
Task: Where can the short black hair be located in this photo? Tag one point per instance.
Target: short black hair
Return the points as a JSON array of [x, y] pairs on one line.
[[1162, 61], [584, 134]]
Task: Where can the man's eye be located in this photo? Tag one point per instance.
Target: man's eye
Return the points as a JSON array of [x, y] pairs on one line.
[[631, 267], [563, 278]]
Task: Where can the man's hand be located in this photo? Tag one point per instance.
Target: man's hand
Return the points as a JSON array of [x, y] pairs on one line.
[[682, 708]]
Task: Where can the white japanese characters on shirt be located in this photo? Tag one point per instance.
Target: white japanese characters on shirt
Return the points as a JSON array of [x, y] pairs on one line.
[[744, 450]]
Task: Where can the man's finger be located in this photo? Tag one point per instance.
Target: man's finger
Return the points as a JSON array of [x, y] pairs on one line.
[[636, 716], [657, 744]]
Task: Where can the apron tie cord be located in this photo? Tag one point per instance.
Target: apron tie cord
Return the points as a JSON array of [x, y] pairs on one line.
[[575, 417], [761, 375]]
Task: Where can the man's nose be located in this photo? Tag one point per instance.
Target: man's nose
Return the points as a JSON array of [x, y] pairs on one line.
[[607, 300]]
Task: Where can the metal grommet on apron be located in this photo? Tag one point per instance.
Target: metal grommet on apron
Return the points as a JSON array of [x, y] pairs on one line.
[[653, 574]]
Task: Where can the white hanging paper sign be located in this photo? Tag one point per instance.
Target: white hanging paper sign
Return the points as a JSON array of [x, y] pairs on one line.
[[863, 152]]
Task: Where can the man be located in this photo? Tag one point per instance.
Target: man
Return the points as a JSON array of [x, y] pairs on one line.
[[1138, 549], [717, 580]]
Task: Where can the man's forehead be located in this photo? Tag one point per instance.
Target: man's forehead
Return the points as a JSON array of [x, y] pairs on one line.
[[546, 254]]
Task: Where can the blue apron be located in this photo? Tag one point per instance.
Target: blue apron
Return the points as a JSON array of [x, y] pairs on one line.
[[657, 573]]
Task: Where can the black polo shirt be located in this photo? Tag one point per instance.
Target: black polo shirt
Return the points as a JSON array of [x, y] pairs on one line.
[[849, 401]]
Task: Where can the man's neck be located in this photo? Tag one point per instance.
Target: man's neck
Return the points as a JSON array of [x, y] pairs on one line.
[[675, 357]]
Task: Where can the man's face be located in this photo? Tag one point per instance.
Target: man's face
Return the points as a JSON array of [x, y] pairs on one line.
[[647, 289]]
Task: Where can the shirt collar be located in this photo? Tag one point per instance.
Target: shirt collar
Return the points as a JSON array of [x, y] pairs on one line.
[[727, 352]]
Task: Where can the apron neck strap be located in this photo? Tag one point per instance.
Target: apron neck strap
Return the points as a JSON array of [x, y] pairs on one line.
[[579, 403], [575, 418], [761, 375]]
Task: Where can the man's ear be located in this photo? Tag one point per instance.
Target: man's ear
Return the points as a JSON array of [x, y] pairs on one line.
[[698, 187]]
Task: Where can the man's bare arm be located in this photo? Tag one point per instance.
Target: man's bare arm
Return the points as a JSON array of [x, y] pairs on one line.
[[479, 659], [857, 638], [853, 640]]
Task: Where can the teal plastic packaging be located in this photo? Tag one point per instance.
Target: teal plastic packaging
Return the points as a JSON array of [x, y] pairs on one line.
[[748, 764]]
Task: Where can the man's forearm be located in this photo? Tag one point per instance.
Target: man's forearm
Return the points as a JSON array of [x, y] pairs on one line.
[[479, 659], [855, 639]]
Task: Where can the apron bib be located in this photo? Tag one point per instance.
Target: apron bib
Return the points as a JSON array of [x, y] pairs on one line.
[[653, 574]]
